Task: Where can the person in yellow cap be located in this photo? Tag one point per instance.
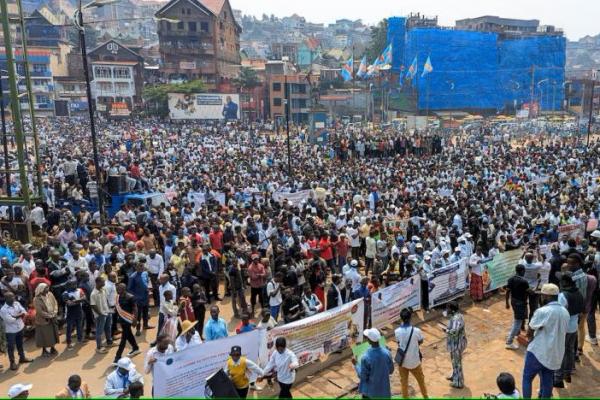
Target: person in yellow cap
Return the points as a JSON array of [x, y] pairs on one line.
[[189, 337], [238, 368]]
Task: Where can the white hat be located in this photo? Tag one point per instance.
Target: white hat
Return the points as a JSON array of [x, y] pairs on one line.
[[468, 235], [125, 363], [404, 250], [415, 238], [427, 257], [445, 251], [373, 334], [457, 249], [419, 245], [550, 289], [354, 263], [19, 388], [412, 258], [596, 234]]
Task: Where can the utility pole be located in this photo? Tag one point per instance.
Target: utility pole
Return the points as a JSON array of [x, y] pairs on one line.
[[532, 90], [590, 116], [287, 124], [5, 146]]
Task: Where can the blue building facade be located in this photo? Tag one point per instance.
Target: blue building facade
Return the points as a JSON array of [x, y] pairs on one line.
[[483, 71]]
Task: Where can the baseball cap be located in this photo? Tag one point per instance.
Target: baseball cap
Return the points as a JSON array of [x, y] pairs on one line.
[[373, 334], [125, 363], [354, 263], [17, 389]]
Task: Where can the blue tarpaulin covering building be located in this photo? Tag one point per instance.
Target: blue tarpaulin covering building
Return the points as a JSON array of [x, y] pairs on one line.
[[474, 70]]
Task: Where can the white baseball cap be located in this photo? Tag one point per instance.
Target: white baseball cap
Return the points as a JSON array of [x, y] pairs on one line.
[[596, 234], [373, 334], [125, 363], [354, 263], [17, 389]]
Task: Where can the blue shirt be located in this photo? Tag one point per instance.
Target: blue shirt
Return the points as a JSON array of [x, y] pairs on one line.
[[138, 286], [8, 253], [374, 372], [214, 330]]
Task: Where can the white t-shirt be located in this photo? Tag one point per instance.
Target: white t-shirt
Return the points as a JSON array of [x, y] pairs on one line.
[[274, 300], [354, 241], [411, 358]]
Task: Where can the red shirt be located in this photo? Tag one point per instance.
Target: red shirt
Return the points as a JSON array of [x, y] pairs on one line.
[[326, 251], [216, 240], [135, 171], [130, 236], [341, 247]]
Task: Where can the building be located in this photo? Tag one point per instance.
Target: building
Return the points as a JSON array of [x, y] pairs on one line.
[[203, 44], [483, 71], [285, 82], [117, 74], [253, 101], [280, 51], [42, 82], [45, 29], [491, 23], [70, 96]]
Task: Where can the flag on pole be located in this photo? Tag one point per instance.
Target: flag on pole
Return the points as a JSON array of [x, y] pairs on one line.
[[427, 68], [347, 71], [362, 68], [412, 70], [401, 77], [386, 57]]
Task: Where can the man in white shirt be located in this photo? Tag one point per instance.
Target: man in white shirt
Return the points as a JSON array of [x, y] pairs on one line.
[[164, 285], [158, 353], [102, 313], [409, 338], [274, 293], [189, 336], [353, 275], [12, 314], [545, 352], [155, 266], [284, 363], [117, 382], [37, 216]]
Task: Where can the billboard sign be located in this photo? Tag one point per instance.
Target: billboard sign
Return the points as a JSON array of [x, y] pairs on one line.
[[204, 106]]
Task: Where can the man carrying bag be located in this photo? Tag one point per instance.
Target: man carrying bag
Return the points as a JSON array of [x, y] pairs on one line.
[[408, 356]]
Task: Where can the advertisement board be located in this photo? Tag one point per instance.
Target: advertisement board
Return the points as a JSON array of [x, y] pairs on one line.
[[204, 106]]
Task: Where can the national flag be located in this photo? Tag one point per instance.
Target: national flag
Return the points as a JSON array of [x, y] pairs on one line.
[[362, 68], [386, 57], [412, 70], [347, 71], [427, 68]]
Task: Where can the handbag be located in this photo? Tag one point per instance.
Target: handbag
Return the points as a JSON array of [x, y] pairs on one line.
[[400, 354]]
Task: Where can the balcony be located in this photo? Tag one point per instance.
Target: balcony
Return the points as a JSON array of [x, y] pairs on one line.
[[41, 74]]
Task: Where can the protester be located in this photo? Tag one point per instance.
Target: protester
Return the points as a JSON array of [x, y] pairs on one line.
[[375, 368], [46, 328], [517, 290], [240, 369], [409, 338], [548, 328], [456, 343], [283, 362], [19, 391], [75, 389], [118, 383], [127, 316], [188, 337], [215, 327]]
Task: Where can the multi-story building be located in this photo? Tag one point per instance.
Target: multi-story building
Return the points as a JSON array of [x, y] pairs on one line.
[[279, 51], [284, 82], [199, 39], [42, 83], [490, 23], [118, 77]]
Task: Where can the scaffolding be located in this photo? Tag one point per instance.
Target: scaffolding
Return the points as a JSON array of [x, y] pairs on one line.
[[21, 159]]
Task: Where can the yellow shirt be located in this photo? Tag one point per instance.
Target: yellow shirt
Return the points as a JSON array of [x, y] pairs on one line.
[[237, 373]]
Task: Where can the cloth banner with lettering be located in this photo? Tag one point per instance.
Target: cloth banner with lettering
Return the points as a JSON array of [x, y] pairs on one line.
[[448, 283], [184, 373], [500, 268], [293, 198], [387, 303], [572, 231], [314, 337]]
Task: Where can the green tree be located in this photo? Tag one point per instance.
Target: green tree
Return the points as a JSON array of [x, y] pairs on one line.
[[247, 78], [378, 40], [157, 96]]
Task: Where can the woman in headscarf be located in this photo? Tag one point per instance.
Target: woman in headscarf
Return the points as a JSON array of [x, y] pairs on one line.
[[46, 329]]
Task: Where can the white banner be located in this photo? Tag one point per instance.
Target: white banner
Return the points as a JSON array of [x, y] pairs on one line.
[[387, 303], [316, 336], [204, 106], [293, 198], [184, 373], [447, 283], [573, 231], [199, 198]]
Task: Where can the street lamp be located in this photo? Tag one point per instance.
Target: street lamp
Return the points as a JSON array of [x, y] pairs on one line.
[[78, 21]]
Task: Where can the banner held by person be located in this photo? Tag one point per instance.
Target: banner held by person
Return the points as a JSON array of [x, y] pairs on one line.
[[387, 303], [500, 268], [184, 373], [447, 283], [316, 336]]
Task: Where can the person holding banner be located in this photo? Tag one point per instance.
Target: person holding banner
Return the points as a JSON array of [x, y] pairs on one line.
[[239, 369], [283, 364]]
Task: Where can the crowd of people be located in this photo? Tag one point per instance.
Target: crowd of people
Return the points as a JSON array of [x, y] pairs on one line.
[[361, 211]]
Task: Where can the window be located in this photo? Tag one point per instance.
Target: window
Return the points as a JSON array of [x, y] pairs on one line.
[[122, 73], [192, 26], [277, 102], [180, 25], [40, 68], [102, 72], [42, 99], [221, 25], [204, 27], [189, 11], [276, 86], [122, 87], [39, 82], [168, 26], [105, 86]]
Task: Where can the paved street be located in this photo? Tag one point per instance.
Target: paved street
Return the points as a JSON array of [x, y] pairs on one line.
[[486, 323]]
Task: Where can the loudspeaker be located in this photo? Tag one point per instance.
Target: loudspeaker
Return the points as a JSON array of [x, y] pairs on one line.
[[218, 386], [117, 184]]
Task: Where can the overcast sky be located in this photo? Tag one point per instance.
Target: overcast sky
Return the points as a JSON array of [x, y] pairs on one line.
[[577, 18]]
